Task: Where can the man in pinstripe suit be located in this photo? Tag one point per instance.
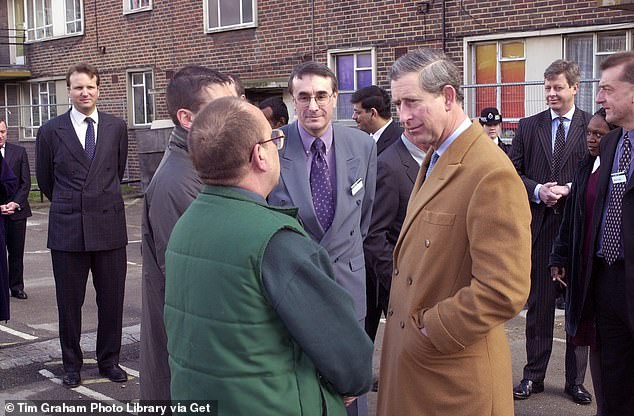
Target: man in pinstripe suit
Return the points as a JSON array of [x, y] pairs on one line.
[[546, 150]]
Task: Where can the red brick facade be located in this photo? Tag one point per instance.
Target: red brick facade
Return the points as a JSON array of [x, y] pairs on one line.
[[172, 35]]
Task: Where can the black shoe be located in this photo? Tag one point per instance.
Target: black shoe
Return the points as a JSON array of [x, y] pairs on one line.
[[19, 293], [578, 393], [71, 379], [526, 388], [114, 373]]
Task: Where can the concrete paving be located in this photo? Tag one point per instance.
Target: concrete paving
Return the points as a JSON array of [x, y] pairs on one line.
[[30, 357]]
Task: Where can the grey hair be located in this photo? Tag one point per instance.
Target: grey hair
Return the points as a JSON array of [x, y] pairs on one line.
[[434, 68]]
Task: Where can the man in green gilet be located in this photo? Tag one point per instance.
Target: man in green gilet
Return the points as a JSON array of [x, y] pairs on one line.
[[253, 315]]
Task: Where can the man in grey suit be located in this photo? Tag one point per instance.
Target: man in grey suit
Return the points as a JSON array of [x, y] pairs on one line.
[[546, 151], [80, 161], [329, 172], [17, 211]]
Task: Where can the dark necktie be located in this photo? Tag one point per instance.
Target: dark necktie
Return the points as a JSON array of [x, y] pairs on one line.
[[89, 145], [612, 228], [432, 162], [320, 186], [558, 151]]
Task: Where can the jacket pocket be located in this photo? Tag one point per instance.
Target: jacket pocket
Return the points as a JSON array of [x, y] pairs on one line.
[[357, 262], [438, 218]]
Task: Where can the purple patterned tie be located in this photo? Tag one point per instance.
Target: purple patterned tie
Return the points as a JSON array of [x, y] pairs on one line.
[[89, 145], [612, 229], [320, 186]]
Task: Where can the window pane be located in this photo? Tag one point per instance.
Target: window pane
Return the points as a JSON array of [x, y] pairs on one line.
[[579, 49], [611, 42], [513, 50], [229, 12], [213, 13], [247, 11], [364, 60], [137, 79], [139, 108], [344, 107], [345, 72], [512, 96], [486, 73], [364, 78], [70, 10]]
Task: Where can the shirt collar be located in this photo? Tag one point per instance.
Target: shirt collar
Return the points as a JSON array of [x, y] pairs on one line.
[[307, 139], [567, 116], [80, 117], [377, 134], [461, 128], [416, 153]]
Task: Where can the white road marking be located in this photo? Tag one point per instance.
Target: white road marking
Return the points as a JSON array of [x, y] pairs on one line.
[[22, 335], [130, 371], [82, 389]]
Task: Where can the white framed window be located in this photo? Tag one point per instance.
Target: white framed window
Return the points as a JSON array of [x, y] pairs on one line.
[[45, 19], [12, 105], [141, 97], [42, 106], [355, 68], [229, 14], [589, 50], [134, 6]]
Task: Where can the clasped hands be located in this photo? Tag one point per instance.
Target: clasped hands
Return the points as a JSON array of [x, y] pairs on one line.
[[9, 208], [550, 193]]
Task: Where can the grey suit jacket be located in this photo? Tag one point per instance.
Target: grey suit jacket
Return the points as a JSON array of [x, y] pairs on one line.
[[355, 155], [87, 211]]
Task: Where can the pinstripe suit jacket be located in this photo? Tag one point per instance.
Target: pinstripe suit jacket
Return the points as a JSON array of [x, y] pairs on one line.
[[532, 156], [87, 211]]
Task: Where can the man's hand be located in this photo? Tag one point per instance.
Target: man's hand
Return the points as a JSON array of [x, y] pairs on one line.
[[547, 195], [559, 275], [561, 190], [348, 400], [9, 208]]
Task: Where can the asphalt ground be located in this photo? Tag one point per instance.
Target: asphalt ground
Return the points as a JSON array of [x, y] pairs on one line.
[[30, 356]]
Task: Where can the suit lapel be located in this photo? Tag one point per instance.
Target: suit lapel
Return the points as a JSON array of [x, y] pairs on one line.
[[104, 144], [576, 133], [295, 176], [347, 171], [68, 136], [411, 167], [545, 134]]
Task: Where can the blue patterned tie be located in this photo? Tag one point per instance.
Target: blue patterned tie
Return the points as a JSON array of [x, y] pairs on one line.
[[90, 138], [320, 186], [434, 159], [612, 229]]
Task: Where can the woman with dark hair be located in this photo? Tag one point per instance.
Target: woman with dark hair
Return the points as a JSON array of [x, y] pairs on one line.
[[571, 250]]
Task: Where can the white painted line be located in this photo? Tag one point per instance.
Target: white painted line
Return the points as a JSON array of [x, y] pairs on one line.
[[130, 371], [22, 335], [81, 389]]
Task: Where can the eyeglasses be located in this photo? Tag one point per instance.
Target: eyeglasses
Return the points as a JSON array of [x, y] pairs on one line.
[[321, 98], [277, 137]]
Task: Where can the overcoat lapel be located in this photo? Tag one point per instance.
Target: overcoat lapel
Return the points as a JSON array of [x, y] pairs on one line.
[[545, 133]]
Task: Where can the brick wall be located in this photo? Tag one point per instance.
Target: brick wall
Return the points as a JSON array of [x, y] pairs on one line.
[[172, 35]]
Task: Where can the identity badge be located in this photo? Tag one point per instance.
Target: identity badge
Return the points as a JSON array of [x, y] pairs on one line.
[[356, 186], [619, 177]]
